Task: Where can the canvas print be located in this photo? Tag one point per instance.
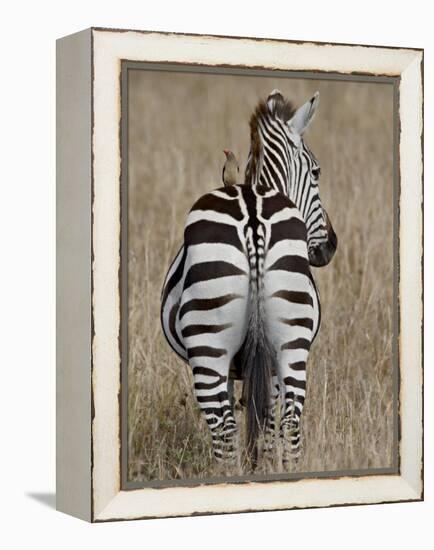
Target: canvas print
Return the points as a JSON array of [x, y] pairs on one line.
[[260, 323]]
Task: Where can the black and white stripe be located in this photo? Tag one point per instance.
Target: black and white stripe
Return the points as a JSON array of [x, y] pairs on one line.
[[239, 300]]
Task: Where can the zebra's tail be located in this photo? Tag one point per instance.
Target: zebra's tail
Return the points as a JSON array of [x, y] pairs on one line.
[[257, 366]]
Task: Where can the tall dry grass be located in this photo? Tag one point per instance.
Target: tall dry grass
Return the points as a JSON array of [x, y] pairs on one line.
[[178, 126]]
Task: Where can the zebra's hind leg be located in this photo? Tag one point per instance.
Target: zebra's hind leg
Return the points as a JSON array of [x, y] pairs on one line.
[[270, 427], [293, 354], [211, 388], [290, 423]]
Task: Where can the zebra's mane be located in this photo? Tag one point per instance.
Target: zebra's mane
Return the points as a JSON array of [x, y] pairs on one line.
[[277, 107]]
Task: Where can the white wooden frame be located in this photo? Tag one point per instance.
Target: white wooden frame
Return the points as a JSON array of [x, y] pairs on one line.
[[88, 360]]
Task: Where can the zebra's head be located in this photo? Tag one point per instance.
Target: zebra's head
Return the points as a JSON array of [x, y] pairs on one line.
[[279, 158]]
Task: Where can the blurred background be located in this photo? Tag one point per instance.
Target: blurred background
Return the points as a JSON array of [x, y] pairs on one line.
[[178, 126]]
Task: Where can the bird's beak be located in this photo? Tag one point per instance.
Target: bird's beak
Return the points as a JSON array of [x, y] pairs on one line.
[[226, 152]]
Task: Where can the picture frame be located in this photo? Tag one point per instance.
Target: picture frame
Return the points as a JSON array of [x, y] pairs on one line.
[[90, 213]]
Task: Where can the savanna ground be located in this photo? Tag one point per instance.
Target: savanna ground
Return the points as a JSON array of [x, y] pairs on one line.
[[178, 126]]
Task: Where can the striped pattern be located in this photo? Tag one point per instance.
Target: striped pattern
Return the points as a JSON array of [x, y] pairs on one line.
[[239, 298]]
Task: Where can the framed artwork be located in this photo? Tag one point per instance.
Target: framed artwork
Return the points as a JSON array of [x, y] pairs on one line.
[[239, 274]]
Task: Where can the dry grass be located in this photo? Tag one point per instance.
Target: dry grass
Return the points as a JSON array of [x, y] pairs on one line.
[[178, 126]]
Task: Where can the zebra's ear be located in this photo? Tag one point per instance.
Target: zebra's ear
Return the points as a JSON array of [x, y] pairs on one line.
[[273, 99], [303, 116]]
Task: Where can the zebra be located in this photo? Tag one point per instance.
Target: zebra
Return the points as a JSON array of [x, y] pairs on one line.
[[239, 300]]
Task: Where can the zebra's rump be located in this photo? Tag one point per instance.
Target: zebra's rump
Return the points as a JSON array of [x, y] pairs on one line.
[[232, 231]]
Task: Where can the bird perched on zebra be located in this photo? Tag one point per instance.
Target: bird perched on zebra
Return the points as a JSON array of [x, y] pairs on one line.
[[239, 300], [231, 169]]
